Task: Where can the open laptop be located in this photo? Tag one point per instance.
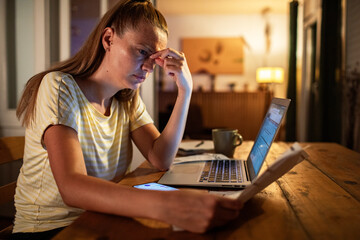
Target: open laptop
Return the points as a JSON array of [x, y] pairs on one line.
[[231, 173]]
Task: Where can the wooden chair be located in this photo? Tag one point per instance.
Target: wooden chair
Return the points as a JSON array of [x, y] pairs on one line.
[[11, 150]]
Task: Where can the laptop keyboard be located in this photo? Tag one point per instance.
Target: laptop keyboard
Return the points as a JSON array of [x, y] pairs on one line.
[[222, 171]]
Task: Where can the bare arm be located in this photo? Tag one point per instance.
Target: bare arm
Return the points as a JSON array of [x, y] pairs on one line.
[[68, 167], [191, 210], [160, 150]]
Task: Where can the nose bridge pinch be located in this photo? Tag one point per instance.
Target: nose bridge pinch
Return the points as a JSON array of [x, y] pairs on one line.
[[149, 64]]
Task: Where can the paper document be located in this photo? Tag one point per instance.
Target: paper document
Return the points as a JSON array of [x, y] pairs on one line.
[[199, 158], [193, 147], [199, 144], [282, 165]]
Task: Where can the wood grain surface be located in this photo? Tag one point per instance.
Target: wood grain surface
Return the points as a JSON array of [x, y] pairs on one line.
[[317, 199]]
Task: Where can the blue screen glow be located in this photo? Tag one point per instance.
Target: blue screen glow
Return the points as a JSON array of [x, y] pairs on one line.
[[266, 135]]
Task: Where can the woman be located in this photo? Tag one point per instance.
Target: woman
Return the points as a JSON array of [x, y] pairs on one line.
[[80, 118]]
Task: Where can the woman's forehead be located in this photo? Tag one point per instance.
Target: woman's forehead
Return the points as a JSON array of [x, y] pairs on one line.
[[147, 34]]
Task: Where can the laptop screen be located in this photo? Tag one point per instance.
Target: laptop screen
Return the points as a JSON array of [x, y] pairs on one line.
[[266, 135]]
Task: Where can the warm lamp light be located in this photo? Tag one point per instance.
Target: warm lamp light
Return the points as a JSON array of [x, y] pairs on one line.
[[270, 75]]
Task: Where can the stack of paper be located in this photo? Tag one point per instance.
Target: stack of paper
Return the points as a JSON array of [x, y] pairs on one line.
[[193, 147]]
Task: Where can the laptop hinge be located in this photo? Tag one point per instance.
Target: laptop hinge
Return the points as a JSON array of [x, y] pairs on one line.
[[246, 170]]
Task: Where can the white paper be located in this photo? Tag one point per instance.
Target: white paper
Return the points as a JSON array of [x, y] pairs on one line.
[[194, 145], [228, 194], [199, 158], [282, 165]]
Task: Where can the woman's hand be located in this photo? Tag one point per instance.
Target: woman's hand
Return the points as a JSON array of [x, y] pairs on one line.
[[160, 149], [198, 211], [175, 65]]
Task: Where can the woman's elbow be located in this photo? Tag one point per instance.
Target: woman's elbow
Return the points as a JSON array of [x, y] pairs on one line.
[[160, 164], [162, 167], [68, 198], [70, 193]]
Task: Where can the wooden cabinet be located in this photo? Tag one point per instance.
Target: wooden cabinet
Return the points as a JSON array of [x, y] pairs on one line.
[[241, 110]]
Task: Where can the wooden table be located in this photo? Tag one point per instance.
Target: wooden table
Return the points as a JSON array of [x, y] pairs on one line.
[[317, 199]]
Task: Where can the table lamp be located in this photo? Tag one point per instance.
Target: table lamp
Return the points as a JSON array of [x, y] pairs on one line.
[[269, 75]]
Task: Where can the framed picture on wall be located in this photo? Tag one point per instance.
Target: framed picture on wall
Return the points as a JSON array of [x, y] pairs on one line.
[[214, 55]]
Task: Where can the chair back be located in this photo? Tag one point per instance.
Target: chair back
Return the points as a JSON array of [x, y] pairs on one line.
[[11, 149]]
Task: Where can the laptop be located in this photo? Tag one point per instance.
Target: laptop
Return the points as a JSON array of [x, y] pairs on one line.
[[231, 173]]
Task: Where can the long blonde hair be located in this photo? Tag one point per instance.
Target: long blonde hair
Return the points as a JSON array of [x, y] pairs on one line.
[[125, 15]]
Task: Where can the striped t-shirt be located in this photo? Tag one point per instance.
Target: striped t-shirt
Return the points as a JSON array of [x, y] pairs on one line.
[[105, 143]]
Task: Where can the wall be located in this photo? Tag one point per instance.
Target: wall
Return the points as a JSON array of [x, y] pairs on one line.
[[24, 43], [249, 26], [351, 91], [18, 60]]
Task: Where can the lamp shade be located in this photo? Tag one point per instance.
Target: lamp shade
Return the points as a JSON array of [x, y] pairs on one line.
[[270, 75]]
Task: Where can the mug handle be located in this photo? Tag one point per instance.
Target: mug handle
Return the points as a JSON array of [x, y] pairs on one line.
[[237, 137]]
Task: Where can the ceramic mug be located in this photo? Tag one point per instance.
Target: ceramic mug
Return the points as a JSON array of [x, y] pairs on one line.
[[226, 140]]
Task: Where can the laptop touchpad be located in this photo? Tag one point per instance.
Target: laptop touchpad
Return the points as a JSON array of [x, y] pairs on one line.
[[186, 168]]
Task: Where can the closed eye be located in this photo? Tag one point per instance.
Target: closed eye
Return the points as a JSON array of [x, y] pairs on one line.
[[143, 52]]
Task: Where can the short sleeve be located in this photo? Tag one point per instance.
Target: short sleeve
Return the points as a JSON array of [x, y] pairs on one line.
[[142, 117], [56, 102]]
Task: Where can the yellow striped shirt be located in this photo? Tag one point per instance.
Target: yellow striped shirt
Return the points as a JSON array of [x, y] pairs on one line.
[[105, 143]]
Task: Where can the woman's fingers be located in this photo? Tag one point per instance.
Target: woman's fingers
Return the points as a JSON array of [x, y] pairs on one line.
[[168, 53], [174, 64], [231, 203], [159, 62], [198, 212], [169, 59]]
